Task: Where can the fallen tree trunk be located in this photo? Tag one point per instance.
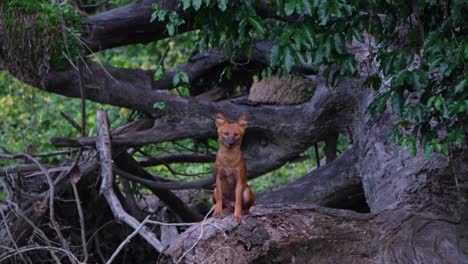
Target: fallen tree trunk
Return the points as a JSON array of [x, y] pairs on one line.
[[280, 233]]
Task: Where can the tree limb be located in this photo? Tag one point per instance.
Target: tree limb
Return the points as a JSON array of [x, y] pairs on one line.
[[130, 24]]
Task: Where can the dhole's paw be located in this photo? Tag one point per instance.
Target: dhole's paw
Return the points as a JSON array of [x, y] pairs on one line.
[[237, 218], [217, 213]]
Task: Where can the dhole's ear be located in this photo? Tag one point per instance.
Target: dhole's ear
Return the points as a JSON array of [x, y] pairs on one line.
[[220, 120], [242, 121]]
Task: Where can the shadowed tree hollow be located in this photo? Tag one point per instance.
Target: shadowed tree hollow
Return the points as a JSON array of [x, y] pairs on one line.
[[387, 78]]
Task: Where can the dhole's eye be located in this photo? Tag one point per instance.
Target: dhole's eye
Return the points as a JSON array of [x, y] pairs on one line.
[[236, 134], [226, 134]]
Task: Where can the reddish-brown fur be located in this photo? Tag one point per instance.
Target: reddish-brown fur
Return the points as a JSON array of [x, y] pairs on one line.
[[232, 190]]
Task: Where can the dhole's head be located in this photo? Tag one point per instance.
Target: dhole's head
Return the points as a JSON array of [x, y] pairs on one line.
[[230, 133]]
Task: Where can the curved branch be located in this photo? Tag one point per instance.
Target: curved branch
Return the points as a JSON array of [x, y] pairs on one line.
[[175, 158], [176, 185]]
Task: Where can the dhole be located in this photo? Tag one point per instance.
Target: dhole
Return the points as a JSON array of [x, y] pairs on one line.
[[231, 191]]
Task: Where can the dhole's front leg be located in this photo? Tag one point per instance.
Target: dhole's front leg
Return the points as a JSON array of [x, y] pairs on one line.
[[218, 195], [238, 204]]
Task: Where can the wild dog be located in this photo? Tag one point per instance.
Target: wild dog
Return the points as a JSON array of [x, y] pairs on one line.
[[231, 191]]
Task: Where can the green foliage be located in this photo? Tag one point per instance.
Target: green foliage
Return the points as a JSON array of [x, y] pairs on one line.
[[159, 105], [180, 76], [238, 27], [432, 99]]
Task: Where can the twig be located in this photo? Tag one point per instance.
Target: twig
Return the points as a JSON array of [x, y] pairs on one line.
[[82, 222], [317, 157], [71, 121], [199, 237], [26, 249], [163, 57], [103, 146], [171, 224], [134, 233]]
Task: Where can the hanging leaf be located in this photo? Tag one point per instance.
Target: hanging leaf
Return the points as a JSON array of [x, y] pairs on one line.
[[289, 7], [398, 102], [158, 74], [159, 105]]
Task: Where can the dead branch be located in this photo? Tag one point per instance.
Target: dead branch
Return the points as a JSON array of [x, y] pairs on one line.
[[82, 222], [103, 146]]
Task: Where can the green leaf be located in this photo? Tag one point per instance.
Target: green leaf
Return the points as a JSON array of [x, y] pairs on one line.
[[419, 79], [180, 76], [288, 59], [175, 80], [461, 86], [398, 102], [161, 14], [158, 74], [438, 102], [428, 148], [379, 104], [299, 6], [222, 5], [323, 12], [257, 25], [373, 82], [309, 37], [307, 7], [274, 55], [357, 34], [186, 4], [327, 48], [196, 4], [289, 7], [414, 149], [228, 73], [339, 43], [154, 16], [159, 105], [184, 77], [170, 29]]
